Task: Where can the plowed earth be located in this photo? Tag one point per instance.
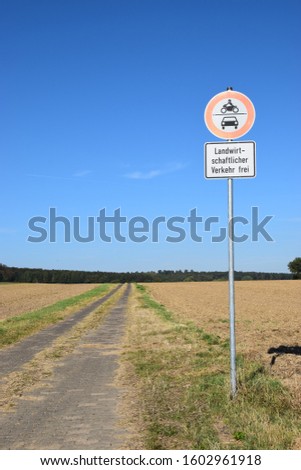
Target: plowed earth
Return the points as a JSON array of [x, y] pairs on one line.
[[268, 315], [16, 299]]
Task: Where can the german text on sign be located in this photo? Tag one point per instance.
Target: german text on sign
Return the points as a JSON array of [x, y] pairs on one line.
[[230, 159]]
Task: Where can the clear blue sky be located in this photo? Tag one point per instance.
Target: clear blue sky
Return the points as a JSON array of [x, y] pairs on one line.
[[101, 106]]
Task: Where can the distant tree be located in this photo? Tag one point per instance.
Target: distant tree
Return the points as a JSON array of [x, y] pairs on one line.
[[247, 278], [295, 267], [188, 279]]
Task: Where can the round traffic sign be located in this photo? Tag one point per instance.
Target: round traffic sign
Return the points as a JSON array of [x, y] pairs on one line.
[[229, 115]]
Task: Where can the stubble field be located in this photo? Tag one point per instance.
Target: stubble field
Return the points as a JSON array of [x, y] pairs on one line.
[[16, 299], [268, 315]]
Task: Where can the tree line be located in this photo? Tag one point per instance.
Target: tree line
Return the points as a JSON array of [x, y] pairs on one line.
[[52, 276]]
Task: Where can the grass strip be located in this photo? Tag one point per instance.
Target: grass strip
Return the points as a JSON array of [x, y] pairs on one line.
[[15, 328], [185, 391], [42, 365]]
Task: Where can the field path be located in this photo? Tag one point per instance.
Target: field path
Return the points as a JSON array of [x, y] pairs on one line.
[[74, 408], [13, 357]]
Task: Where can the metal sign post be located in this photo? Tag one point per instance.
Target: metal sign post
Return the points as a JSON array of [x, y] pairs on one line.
[[231, 290], [229, 115]]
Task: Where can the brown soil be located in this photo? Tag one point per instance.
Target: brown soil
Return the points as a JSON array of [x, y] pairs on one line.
[[16, 299], [268, 314]]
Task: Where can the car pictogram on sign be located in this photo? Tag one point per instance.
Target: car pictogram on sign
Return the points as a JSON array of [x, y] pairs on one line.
[[229, 121]]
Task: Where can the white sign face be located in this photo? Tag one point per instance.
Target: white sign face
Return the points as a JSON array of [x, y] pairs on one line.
[[230, 160], [229, 115]]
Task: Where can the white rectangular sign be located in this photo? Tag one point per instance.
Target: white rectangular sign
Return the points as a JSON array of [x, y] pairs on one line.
[[230, 159]]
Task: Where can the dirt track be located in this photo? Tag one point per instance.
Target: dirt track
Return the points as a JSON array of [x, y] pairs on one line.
[[74, 407]]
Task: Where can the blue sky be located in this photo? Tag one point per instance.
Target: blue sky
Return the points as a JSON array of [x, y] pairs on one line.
[[102, 104]]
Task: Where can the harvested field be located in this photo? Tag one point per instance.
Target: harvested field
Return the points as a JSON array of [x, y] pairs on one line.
[[16, 299], [268, 315]]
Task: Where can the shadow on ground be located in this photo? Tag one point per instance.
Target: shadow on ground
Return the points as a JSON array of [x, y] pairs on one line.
[[280, 350]]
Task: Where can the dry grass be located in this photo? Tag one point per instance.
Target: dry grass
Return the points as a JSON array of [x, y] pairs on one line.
[[175, 377], [131, 408], [16, 299], [268, 314], [146, 332]]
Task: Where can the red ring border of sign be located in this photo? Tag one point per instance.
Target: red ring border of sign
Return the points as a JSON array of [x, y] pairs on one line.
[[228, 95]]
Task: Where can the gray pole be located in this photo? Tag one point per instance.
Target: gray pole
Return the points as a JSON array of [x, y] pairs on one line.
[[231, 287], [231, 290]]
